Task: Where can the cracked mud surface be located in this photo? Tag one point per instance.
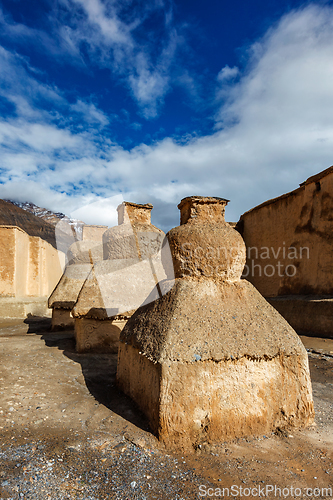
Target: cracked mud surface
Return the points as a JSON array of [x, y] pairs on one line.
[[68, 433]]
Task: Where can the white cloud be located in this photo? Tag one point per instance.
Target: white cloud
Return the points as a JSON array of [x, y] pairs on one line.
[[103, 209], [148, 88], [291, 74], [276, 129], [112, 43], [90, 113], [111, 28], [37, 137], [20, 87], [227, 73]]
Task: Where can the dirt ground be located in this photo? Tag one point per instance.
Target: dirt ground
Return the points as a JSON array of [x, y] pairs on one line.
[[68, 433]]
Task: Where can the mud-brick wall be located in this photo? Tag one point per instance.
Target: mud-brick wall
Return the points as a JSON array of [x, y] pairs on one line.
[[289, 240], [29, 266], [7, 261]]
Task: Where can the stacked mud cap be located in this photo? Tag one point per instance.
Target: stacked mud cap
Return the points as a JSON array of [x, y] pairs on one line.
[[211, 360]]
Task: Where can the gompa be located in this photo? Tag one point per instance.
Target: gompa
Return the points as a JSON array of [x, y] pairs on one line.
[[211, 360]]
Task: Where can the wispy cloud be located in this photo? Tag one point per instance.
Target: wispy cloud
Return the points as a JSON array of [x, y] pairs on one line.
[[114, 43], [90, 113], [227, 73], [113, 35], [52, 39]]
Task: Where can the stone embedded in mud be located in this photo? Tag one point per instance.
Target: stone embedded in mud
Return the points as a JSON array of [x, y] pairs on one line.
[[211, 360], [124, 280]]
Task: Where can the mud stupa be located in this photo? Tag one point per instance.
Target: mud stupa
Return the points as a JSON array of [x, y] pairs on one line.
[[81, 256], [211, 360], [119, 284]]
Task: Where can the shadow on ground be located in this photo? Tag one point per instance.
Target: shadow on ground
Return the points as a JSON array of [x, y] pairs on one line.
[[37, 324], [98, 370]]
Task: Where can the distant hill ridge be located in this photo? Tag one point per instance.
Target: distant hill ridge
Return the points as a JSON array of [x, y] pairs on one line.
[[11, 214], [49, 216], [43, 213]]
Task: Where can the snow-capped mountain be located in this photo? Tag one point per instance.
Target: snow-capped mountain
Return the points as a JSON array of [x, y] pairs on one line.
[[50, 217]]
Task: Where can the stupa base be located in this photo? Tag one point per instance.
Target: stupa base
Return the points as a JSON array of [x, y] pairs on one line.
[[189, 404], [94, 335], [213, 361], [62, 319]]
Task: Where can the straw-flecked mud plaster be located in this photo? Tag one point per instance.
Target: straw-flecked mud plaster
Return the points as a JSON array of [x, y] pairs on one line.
[[211, 360]]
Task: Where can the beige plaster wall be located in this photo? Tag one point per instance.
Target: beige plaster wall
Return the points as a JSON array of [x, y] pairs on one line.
[[29, 266], [53, 266], [307, 314], [34, 278], [289, 240], [7, 261]]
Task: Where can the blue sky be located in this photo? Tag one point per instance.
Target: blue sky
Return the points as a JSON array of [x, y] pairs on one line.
[[157, 100]]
